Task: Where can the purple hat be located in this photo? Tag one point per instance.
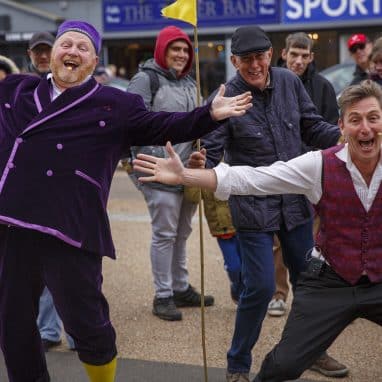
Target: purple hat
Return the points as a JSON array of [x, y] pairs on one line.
[[81, 27]]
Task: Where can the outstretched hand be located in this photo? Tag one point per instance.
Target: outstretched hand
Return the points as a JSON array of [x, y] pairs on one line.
[[225, 107], [163, 170]]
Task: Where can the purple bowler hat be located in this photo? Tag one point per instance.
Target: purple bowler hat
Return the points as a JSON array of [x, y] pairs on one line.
[[81, 27]]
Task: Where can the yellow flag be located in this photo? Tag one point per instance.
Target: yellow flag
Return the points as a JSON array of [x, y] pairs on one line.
[[184, 10]]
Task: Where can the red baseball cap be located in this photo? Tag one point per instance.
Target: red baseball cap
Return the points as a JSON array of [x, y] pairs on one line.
[[357, 39]]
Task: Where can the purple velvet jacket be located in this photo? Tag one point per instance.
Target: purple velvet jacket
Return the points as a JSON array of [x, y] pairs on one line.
[[57, 159]]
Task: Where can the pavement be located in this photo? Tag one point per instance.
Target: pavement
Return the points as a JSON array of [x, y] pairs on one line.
[[150, 349]]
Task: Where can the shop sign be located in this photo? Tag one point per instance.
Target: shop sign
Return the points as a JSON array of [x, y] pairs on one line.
[[134, 15], [299, 11]]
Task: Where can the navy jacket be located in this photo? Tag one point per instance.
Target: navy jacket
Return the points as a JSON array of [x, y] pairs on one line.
[[282, 117], [57, 158]]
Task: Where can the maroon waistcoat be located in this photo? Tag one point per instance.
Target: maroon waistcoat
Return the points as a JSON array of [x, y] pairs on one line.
[[349, 237]]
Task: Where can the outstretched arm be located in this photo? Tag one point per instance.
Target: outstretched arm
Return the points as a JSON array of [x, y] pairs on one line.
[[171, 171]]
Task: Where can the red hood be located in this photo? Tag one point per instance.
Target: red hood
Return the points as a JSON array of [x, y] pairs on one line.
[[165, 37]]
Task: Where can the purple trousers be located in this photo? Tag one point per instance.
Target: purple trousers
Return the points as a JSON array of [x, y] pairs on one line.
[[28, 261]]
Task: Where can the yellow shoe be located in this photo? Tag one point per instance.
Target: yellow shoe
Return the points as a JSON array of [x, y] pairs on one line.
[[102, 373]]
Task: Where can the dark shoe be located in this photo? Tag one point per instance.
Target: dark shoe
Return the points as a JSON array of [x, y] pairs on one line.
[[48, 344], [165, 309], [328, 366], [190, 297], [237, 377]]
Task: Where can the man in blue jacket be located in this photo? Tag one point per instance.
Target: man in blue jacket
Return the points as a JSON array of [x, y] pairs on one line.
[[61, 138], [281, 119]]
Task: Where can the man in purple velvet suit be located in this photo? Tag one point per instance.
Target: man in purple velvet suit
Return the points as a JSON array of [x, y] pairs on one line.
[[61, 138]]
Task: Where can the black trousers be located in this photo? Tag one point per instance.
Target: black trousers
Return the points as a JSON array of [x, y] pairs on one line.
[[323, 305]]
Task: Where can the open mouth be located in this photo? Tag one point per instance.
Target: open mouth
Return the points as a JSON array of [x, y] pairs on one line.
[[366, 144], [70, 65]]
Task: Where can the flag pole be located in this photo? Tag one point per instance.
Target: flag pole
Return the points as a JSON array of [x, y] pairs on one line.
[[201, 237], [187, 11]]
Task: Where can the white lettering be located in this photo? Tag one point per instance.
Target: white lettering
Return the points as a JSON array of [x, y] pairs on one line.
[[357, 4], [241, 8], [138, 13], [309, 5], [250, 7], [376, 7], [266, 11], [207, 8], [113, 10], [113, 19], [334, 12], [296, 13]]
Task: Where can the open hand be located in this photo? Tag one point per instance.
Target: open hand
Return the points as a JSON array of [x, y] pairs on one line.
[[163, 170], [225, 107]]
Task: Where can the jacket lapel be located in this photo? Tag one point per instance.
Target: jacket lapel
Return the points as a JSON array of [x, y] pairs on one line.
[[68, 99]]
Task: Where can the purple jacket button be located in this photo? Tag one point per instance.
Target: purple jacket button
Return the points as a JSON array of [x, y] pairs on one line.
[[102, 123], [49, 173], [59, 146], [11, 165], [7, 105]]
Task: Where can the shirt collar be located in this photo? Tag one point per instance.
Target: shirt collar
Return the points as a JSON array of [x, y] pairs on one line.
[[55, 90]]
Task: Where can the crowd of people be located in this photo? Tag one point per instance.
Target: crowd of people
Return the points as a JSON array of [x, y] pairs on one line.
[[275, 148]]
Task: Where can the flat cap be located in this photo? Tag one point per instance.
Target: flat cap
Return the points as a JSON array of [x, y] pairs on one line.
[[249, 39], [41, 38]]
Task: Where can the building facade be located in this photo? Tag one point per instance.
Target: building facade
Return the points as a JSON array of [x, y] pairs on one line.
[[129, 28]]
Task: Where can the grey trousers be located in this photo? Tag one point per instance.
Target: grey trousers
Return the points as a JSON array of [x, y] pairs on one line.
[[323, 305], [171, 217]]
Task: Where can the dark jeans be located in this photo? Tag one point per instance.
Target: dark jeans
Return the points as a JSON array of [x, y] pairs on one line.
[[259, 284], [28, 261], [323, 305]]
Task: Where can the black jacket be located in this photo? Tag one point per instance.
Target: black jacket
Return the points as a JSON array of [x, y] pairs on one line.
[[282, 117], [359, 75], [322, 93]]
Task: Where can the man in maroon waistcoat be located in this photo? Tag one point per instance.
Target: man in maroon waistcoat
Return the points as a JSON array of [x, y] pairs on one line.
[[61, 138], [344, 278]]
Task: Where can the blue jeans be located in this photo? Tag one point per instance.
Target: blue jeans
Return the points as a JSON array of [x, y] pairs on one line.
[[49, 322], [258, 276]]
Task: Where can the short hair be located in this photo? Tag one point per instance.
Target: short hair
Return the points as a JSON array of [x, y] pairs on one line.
[[356, 93], [298, 40]]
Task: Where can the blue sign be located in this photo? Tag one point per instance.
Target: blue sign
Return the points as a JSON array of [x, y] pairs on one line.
[[134, 15], [303, 11]]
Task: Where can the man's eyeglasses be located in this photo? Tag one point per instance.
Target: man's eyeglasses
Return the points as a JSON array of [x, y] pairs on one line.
[[355, 47]]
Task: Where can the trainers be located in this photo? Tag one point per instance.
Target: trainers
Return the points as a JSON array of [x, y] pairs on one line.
[[328, 366], [277, 307], [237, 377], [190, 297], [165, 309]]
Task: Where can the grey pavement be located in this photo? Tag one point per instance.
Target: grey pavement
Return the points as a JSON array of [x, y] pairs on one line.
[[150, 349]]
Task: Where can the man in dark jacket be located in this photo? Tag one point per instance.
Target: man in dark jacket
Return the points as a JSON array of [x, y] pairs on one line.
[[62, 137], [282, 117], [39, 51], [298, 57]]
